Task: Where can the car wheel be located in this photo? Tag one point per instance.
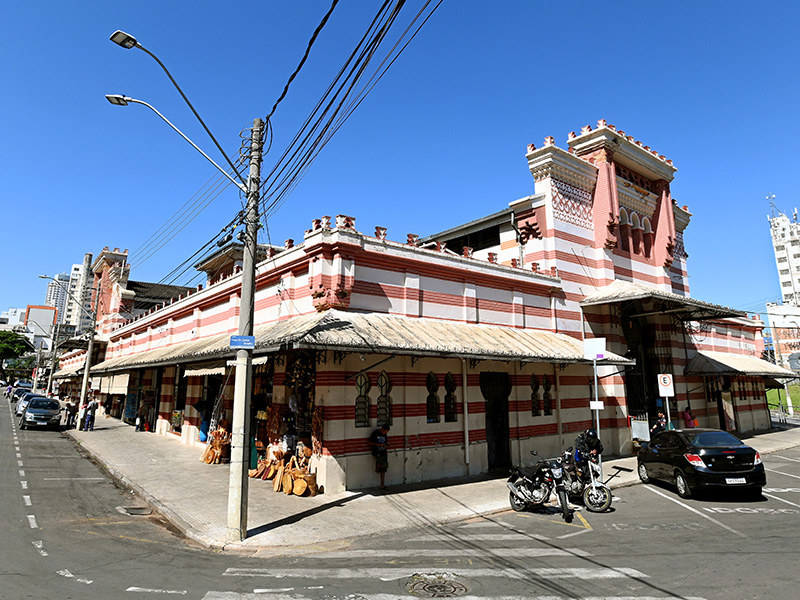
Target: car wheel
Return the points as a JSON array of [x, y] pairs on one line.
[[643, 474], [683, 488], [22, 424]]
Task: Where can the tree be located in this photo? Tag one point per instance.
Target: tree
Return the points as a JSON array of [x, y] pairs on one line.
[[12, 345]]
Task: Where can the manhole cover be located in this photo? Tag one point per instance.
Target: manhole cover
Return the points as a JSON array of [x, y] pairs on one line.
[[436, 586], [137, 511]]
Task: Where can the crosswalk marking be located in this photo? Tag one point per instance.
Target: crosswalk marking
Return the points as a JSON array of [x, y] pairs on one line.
[[391, 573]]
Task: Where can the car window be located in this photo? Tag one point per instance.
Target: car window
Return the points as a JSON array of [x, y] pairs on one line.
[[658, 439], [43, 403], [670, 441], [713, 439]]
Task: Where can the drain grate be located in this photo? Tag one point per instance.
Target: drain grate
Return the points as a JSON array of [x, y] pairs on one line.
[[436, 585], [136, 511]]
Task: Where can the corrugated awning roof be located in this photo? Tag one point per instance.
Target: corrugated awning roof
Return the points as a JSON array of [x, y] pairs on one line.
[[691, 309], [379, 334], [390, 334], [722, 363], [67, 373]]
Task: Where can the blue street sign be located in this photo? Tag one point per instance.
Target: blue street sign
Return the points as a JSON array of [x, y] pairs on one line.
[[243, 341]]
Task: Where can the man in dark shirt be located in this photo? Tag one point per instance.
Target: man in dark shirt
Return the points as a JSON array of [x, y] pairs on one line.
[[379, 440]]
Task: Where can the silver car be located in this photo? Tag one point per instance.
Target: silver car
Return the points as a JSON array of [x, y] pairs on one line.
[[41, 412]]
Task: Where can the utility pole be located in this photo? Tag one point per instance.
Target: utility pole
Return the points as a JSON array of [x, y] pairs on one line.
[[52, 362], [88, 364], [240, 438]]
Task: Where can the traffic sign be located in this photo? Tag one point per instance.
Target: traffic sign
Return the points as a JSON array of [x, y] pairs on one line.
[[666, 389], [243, 341]]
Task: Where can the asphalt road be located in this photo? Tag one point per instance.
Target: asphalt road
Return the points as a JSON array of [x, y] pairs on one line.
[[65, 536]]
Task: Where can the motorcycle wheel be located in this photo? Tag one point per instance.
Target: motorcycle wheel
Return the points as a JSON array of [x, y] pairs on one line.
[[563, 500], [597, 499], [517, 505]]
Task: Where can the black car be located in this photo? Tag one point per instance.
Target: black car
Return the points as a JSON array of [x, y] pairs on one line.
[[695, 459]]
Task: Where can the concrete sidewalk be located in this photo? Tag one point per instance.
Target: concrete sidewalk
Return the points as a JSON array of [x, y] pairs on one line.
[[193, 495]]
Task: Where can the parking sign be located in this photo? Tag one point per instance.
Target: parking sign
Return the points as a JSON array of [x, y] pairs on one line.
[[665, 387]]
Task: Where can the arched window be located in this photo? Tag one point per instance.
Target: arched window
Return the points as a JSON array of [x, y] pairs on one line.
[[362, 400], [636, 234], [450, 408], [624, 230], [647, 235], [384, 400]]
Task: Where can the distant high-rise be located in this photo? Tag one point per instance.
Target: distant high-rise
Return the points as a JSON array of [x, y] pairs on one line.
[[78, 306], [57, 295], [786, 244]]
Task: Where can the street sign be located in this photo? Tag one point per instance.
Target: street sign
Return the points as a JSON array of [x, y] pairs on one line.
[[666, 389], [243, 341], [596, 405], [594, 348]]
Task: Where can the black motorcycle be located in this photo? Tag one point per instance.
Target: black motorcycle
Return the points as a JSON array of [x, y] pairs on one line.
[[532, 486], [584, 480]]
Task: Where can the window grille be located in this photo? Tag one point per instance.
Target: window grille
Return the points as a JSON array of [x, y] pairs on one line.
[[450, 410], [536, 399], [384, 400], [432, 402], [362, 400]]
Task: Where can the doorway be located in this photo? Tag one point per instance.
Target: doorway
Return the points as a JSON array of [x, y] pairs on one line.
[[496, 388]]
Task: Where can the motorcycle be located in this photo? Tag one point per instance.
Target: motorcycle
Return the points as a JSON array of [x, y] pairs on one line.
[[585, 481], [532, 487]]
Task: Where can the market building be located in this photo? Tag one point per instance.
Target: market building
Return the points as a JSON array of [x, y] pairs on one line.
[[469, 342]]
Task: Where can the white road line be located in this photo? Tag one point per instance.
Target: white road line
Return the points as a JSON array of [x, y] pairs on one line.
[[391, 574], [787, 458], [68, 575], [436, 553], [154, 591], [26, 500], [32, 522], [24, 485], [695, 511], [779, 473], [40, 547], [271, 591], [781, 499], [72, 478], [19, 455], [21, 473], [19, 463], [480, 537], [574, 533]]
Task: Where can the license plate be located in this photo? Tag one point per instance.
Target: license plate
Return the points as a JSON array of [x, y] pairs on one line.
[[735, 480]]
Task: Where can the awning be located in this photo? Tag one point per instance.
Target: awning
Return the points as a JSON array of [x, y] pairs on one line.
[[723, 363], [207, 370], [68, 373], [390, 334], [687, 309], [379, 334], [116, 383]]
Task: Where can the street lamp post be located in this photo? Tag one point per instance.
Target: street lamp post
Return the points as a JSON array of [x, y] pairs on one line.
[[240, 436]]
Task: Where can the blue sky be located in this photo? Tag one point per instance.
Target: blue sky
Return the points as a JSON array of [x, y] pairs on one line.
[[439, 141]]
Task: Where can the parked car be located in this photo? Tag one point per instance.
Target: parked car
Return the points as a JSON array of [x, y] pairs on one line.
[[24, 400], [695, 459], [17, 392], [41, 412]]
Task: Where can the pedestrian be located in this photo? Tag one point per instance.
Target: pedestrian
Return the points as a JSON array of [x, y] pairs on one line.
[[379, 440], [688, 419], [91, 409], [141, 417], [660, 424]]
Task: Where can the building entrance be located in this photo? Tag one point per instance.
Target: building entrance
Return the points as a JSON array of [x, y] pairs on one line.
[[496, 387]]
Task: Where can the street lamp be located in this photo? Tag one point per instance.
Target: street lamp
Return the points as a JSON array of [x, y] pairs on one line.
[[90, 348], [240, 437], [119, 100]]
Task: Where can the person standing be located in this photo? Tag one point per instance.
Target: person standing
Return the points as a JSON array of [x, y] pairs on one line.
[[141, 417], [688, 419], [91, 409], [379, 440]]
